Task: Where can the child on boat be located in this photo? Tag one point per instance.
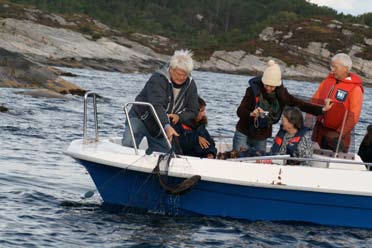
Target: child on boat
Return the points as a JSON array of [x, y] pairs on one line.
[[194, 139], [293, 137]]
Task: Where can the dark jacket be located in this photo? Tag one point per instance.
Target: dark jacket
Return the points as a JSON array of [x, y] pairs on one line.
[[365, 153], [245, 124], [189, 140], [365, 148], [158, 91], [293, 142]]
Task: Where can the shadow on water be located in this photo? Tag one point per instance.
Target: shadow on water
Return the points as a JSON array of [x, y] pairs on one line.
[[142, 228]]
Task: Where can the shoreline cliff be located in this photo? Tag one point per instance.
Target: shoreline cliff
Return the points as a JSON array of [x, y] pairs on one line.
[[31, 44]]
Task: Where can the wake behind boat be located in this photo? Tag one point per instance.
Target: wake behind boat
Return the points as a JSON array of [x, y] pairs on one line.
[[335, 190]]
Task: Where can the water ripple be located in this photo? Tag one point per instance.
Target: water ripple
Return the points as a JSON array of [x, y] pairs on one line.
[[43, 191]]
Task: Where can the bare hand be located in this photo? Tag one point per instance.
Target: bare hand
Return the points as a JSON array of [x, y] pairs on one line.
[[210, 155], [328, 104], [256, 113], [170, 133], [174, 118], [203, 142]]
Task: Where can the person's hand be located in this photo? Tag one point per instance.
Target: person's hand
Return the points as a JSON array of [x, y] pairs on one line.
[[210, 155], [256, 113], [170, 133], [174, 118], [203, 142], [327, 105]]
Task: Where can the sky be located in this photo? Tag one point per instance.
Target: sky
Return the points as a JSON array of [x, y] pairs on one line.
[[353, 7]]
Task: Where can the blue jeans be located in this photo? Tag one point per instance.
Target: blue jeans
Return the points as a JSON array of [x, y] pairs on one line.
[[241, 141], [139, 132]]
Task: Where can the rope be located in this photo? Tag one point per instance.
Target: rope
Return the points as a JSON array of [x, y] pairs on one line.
[[178, 189]]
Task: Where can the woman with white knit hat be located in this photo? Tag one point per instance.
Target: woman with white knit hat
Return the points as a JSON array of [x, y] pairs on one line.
[[262, 106]]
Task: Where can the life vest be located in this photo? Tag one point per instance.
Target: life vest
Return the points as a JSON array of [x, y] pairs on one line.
[[292, 144], [338, 91], [186, 127]]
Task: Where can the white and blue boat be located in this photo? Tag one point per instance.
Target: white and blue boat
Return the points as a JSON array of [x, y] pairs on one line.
[[335, 190]]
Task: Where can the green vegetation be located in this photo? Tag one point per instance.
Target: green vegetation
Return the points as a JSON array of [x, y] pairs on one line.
[[202, 25]]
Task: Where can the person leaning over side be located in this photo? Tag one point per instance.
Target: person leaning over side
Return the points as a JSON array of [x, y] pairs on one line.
[[365, 148], [293, 137], [262, 106], [345, 89], [194, 139], [173, 93]]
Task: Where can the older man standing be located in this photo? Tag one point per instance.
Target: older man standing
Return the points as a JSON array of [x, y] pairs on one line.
[[345, 89], [173, 93]]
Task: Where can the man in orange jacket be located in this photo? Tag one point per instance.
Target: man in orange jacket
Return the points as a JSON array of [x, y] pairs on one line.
[[345, 90]]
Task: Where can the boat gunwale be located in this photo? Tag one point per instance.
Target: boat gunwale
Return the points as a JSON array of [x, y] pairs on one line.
[[106, 162]]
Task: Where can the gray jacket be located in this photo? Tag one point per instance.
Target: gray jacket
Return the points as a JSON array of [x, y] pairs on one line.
[[158, 91]]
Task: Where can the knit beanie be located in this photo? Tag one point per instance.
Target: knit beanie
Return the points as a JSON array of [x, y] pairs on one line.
[[272, 75]]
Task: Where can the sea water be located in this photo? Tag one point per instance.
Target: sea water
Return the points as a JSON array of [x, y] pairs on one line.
[[45, 196]]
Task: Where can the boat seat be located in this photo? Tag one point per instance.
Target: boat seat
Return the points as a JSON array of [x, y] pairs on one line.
[[117, 140], [331, 154]]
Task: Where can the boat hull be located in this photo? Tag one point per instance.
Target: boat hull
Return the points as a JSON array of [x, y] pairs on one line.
[[132, 188]]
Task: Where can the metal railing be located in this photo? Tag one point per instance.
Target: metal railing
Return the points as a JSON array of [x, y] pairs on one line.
[[287, 157], [85, 120], [341, 133], [156, 118]]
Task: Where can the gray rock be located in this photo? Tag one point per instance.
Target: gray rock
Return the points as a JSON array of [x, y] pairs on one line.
[[316, 68], [316, 20], [336, 22], [101, 25], [347, 32], [334, 26], [267, 34], [288, 36], [318, 49], [360, 25], [55, 46], [368, 41], [44, 45], [58, 19], [363, 68], [16, 71]]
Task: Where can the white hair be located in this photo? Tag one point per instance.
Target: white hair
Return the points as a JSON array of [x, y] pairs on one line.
[[182, 59], [343, 59]]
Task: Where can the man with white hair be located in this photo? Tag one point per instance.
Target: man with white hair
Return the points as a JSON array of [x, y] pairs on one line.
[[345, 90], [173, 93]]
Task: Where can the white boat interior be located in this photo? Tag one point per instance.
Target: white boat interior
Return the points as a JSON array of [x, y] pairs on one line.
[[328, 171]]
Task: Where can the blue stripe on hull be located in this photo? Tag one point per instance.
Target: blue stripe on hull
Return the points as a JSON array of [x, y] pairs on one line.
[[142, 190]]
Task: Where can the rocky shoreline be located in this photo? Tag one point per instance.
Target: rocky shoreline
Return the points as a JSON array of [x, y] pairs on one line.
[[29, 49]]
